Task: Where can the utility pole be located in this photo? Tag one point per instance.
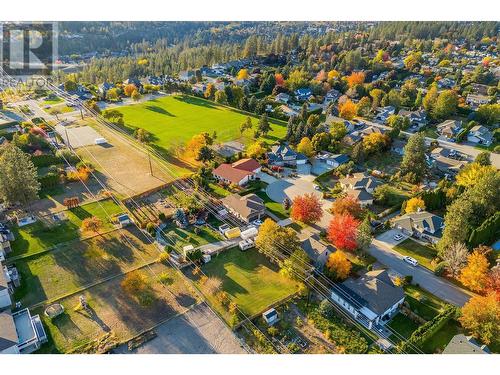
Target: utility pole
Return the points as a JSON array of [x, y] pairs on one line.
[[67, 136], [150, 165]]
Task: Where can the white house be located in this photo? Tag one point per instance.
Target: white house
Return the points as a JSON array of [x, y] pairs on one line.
[[29, 330], [333, 160], [238, 173], [481, 135], [372, 299]]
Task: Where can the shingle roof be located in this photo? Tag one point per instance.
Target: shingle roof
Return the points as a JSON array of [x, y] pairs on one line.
[[248, 164], [461, 344], [8, 333], [227, 172], [430, 223], [246, 205], [374, 290]]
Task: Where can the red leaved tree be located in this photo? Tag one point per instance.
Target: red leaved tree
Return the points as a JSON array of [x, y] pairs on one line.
[[307, 209], [347, 205], [342, 232]]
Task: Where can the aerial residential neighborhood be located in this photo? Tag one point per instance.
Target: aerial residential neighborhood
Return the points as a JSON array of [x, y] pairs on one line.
[[253, 188]]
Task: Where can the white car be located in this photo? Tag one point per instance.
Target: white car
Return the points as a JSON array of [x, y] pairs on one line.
[[316, 187], [411, 261], [257, 223], [398, 237]]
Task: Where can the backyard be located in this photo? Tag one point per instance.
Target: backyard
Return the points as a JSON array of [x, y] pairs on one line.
[[40, 236], [196, 236], [251, 281], [173, 120], [423, 254], [272, 206]]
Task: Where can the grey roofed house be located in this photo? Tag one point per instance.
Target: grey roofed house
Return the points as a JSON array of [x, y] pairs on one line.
[[8, 334], [371, 298], [461, 344], [421, 224], [316, 250], [359, 181], [281, 154], [247, 208]]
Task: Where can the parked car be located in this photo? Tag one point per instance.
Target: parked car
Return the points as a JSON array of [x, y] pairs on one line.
[[316, 187], [398, 237], [257, 223], [411, 261]]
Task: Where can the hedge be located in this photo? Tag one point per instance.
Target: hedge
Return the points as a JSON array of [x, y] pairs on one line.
[[45, 160], [427, 330], [487, 232], [50, 180]]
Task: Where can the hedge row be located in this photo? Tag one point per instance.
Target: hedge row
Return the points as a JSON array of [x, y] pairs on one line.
[[45, 160], [487, 232], [427, 330], [50, 180]]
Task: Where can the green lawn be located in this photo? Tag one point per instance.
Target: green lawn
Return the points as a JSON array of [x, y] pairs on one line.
[[423, 254], [218, 190], [38, 236], [179, 237], [272, 206], [175, 119], [251, 281], [55, 100], [71, 266], [402, 325], [423, 303], [438, 341], [63, 108]]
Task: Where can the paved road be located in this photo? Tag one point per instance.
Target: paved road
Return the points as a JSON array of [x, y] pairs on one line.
[[464, 148], [381, 249]]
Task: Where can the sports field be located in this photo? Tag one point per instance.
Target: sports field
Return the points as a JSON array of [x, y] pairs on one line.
[[175, 119]]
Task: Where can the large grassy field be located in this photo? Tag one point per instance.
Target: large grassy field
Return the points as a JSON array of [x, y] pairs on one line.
[[75, 265], [39, 236], [175, 119], [251, 281]]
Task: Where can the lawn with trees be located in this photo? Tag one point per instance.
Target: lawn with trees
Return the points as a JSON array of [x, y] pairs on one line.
[[423, 254], [173, 120]]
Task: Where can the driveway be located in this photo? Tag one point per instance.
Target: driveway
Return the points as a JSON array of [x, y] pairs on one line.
[[381, 248], [198, 331]]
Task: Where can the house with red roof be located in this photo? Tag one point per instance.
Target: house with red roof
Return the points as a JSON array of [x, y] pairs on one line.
[[238, 173]]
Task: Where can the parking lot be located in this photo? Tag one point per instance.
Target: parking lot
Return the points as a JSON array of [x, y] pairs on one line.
[[77, 136]]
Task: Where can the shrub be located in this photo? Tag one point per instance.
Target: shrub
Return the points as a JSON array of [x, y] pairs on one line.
[[164, 258], [162, 217], [408, 279], [151, 228], [50, 180], [440, 268], [166, 279]]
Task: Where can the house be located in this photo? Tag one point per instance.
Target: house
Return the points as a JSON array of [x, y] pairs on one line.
[[480, 89], [133, 81], [476, 100], [317, 251], [8, 334], [30, 331], [418, 119], [352, 139], [270, 316], [398, 147], [124, 220], [384, 113], [5, 301], [282, 98], [247, 208], [461, 344], [331, 96], [5, 237], [481, 135], [372, 298], [283, 155], [422, 224], [333, 160], [186, 75], [104, 88], [303, 94], [287, 111], [449, 128], [238, 173], [445, 160], [360, 186], [349, 126], [445, 83]]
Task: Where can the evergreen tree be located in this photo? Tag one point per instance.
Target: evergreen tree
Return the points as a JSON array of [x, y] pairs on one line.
[[414, 160], [264, 126]]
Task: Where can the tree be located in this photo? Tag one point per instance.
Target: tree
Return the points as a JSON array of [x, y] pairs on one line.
[[256, 150], [414, 160], [377, 96], [472, 173], [483, 158], [263, 127], [358, 153], [338, 265], [135, 96], [18, 176], [272, 240], [70, 85], [92, 224], [415, 204], [246, 125], [197, 142], [364, 234], [348, 110], [143, 136], [305, 147], [398, 122], [321, 141], [55, 112], [364, 106], [446, 105], [376, 142], [493, 283], [356, 78], [242, 74], [306, 208], [430, 99], [204, 154], [209, 91], [481, 317], [112, 94], [455, 257], [337, 131], [488, 114], [129, 89], [296, 265], [342, 232], [475, 274], [347, 205], [297, 79], [220, 97], [413, 60]]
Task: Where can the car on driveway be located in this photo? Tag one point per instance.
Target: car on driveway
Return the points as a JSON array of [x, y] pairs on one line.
[[398, 237], [316, 187], [257, 223], [411, 261]]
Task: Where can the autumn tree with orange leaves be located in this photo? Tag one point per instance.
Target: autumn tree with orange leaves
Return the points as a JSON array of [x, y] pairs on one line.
[[306, 209], [129, 89], [348, 110], [475, 274], [338, 265], [347, 205], [356, 78], [481, 317], [342, 232]]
